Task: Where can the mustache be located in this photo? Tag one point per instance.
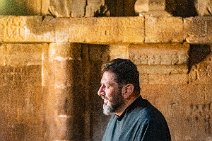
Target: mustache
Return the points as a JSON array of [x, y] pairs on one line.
[[104, 97]]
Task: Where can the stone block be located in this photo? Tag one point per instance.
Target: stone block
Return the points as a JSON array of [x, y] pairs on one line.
[[21, 75], [163, 69], [22, 54], [21, 102], [170, 79], [198, 29], [37, 29], [201, 74], [63, 29], [159, 54], [78, 8], [99, 30], [118, 51], [163, 29], [25, 29], [12, 28], [65, 51]]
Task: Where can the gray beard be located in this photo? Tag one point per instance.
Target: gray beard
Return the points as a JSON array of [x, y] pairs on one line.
[[114, 105], [111, 108], [108, 109]]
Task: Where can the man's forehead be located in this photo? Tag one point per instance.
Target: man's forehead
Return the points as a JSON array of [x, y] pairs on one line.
[[108, 76]]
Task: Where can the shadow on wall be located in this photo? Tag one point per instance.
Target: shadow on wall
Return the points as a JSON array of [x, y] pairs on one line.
[[89, 121], [119, 8], [181, 8], [197, 53]]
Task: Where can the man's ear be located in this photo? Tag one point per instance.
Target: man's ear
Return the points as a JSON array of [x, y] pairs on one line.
[[127, 90]]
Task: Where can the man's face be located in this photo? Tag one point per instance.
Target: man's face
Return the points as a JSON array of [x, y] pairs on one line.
[[111, 93]]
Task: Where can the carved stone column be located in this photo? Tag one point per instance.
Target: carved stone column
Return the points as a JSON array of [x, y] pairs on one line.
[[151, 7], [64, 113]]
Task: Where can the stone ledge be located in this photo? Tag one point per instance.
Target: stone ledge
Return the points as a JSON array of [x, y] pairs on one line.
[[106, 30]]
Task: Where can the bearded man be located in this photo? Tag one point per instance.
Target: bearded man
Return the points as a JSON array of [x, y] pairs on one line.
[[132, 117]]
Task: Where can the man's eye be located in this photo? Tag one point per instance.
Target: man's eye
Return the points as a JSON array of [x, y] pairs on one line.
[[108, 86]]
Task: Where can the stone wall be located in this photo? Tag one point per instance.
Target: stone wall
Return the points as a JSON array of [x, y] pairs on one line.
[[50, 65]]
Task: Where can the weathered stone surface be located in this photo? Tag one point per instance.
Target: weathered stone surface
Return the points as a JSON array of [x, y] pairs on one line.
[[100, 30], [105, 30], [60, 80], [21, 105], [198, 29], [25, 29], [201, 73], [65, 92], [203, 7], [163, 29], [21, 54], [161, 63], [78, 7], [159, 54], [95, 8], [118, 51], [151, 7], [12, 28], [64, 51], [142, 6], [163, 69], [97, 52], [61, 8], [186, 106], [64, 101], [94, 30], [164, 79]]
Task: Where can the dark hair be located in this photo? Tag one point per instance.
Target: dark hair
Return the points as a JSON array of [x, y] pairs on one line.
[[125, 71]]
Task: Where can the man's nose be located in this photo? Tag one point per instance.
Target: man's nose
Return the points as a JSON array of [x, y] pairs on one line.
[[100, 91]]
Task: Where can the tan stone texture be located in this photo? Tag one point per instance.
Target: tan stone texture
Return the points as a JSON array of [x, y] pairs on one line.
[[159, 54], [53, 88], [198, 29], [185, 107], [203, 7], [22, 111], [163, 29], [60, 8], [99, 30], [151, 7], [50, 66], [119, 51]]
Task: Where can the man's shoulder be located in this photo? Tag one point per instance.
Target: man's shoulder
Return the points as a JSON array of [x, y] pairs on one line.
[[146, 111]]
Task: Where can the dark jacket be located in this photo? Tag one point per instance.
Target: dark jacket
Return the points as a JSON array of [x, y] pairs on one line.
[[141, 121]]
